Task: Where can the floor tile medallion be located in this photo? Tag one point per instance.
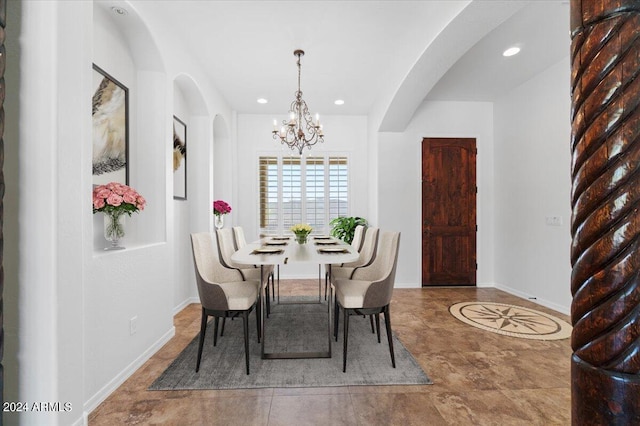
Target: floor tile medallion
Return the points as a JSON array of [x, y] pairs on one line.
[[511, 320]]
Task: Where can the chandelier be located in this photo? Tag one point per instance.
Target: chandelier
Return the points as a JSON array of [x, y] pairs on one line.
[[300, 130]]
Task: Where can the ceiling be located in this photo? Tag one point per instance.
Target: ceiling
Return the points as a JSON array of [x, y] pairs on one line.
[[358, 51]]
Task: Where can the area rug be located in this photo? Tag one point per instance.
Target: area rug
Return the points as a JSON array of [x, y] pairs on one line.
[[295, 328], [511, 320]]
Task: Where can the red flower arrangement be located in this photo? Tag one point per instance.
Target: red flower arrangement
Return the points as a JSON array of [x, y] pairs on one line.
[[221, 207]]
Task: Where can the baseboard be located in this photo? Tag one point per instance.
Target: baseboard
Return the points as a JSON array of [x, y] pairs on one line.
[[406, 285], [566, 310], [110, 387], [188, 301]]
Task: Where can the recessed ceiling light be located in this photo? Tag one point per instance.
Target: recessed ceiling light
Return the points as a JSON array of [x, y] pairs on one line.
[[119, 10], [262, 101], [339, 102], [511, 51]]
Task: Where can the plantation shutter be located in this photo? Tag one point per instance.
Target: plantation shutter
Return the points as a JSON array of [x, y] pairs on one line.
[[268, 172], [291, 192], [312, 190], [315, 189], [338, 187]]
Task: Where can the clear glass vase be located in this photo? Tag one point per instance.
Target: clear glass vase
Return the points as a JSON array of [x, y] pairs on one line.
[[114, 229], [301, 238], [219, 221]]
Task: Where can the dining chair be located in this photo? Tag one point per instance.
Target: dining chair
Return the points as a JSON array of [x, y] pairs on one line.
[[369, 292], [356, 243], [238, 237], [358, 234], [367, 256], [223, 292], [226, 248], [240, 242]]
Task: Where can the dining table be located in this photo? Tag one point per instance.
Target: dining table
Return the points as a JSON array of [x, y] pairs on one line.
[[284, 250]]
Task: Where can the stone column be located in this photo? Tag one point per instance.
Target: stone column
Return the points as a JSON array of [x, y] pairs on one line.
[[605, 253]]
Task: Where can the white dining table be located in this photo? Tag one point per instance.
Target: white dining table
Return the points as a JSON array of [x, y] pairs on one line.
[[320, 250]]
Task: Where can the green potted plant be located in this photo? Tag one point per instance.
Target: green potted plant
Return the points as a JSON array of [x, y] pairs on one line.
[[344, 227]]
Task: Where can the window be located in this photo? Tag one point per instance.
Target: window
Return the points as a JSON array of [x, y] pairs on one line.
[[310, 190]]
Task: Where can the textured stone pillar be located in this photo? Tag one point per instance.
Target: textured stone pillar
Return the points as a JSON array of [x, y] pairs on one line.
[[605, 253]]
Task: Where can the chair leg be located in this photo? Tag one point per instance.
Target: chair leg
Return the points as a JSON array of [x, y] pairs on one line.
[[268, 298], [245, 326], [387, 321], [224, 320], [203, 330], [215, 330], [346, 338], [258, 312], [273, 286], [373, 330], [326, 284], [336, 318], [378, 326]]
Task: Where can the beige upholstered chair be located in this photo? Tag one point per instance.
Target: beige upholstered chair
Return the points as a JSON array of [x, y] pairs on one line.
[[223, 292], [367, 256], [240, 242], [369, 291], [238, 237], [358, 234], [226, 248]]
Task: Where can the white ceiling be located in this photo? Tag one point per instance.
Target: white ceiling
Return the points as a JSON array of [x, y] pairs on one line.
[[358, 51]]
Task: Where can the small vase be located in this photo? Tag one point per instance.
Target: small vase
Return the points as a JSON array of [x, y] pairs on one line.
[[114, 229], [219, 221], [301, 238]]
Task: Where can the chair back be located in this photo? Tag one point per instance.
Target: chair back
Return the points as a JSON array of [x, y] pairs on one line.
[[382, 271], [238, 237], [357, 241], [209, 272], [226, 246], [368, 250]]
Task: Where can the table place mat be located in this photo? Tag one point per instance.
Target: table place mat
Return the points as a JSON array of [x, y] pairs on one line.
[[329, 250], [325, 243], [276, 243], [267, 250], [281, 238], [322, 237]]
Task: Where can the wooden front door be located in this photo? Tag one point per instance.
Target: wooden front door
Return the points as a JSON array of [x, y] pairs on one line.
[[449, 211]]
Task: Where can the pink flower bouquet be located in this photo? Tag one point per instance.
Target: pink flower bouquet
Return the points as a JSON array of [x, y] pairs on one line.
[[221, 207], [115, 198]]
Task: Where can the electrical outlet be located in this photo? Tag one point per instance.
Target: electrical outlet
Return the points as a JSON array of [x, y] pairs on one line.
[[553, 220], [133, 325]]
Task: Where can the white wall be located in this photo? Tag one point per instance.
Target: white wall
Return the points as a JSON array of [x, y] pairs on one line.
[[53, 203], [182, 262], [343, 135], [136, 282], [399, 181], [533, 163], [75, 300]]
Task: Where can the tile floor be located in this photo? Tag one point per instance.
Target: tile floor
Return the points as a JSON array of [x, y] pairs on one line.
[[480, 378]]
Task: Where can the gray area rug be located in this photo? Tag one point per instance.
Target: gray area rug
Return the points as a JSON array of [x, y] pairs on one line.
[[296, 327]]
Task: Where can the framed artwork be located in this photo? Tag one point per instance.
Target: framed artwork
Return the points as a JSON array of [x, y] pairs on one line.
[[110, 117], [179, 159]]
